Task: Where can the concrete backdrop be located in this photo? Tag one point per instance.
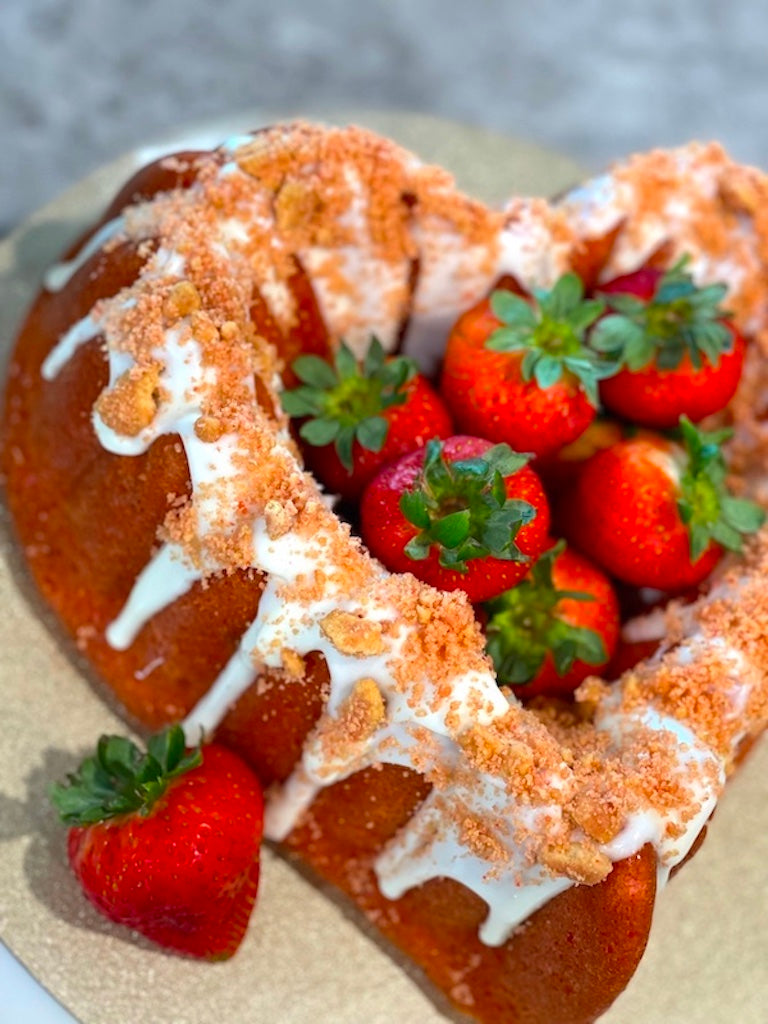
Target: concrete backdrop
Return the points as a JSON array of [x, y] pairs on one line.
[[83, 80]]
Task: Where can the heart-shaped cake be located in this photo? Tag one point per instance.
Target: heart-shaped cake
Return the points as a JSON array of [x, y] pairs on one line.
[[512, 851]]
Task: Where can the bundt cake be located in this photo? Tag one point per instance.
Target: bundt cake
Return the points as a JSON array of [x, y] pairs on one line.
[[160, 498]]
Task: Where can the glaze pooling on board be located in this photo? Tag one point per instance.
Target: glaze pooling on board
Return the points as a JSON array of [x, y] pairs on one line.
[[424, 728]]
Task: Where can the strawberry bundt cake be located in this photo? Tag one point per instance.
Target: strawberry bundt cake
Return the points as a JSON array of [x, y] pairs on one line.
[[512, 852]]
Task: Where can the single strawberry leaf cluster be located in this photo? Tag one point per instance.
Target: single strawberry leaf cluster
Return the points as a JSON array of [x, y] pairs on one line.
[[680, 319], [551, 331], [706, 507], [523, 627], [121, 778], [343, 401], [462, 507]]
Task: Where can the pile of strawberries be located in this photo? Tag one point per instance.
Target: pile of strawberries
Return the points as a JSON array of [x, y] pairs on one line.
[[469, 485], [167, 841]]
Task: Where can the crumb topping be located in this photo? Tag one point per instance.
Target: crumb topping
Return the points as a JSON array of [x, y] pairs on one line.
[[209, 428], [182, 300], [353, 634], [293, 664], [580, 861], [132, 401]]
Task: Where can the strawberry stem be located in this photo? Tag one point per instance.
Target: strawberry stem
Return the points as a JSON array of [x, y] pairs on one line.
[[679, 319], [121, 779], [706, 506], [523, 626], [342, 402], [550, 330], [462, 507]]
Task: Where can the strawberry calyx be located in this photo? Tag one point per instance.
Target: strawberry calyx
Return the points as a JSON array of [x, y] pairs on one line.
[[678, 319], [523, 627], [550, 329], [344, 400], [122, 779], [462, 508], [706, 507]]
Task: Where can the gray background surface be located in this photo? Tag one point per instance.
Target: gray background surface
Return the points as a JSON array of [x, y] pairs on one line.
[[83, 80]]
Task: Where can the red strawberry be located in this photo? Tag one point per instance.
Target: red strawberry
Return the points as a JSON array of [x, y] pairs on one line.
[[462, 514], [517, 370], [167, 842], [680, 355], [656, 513], [559, 470], [555, 627], [362, 416]]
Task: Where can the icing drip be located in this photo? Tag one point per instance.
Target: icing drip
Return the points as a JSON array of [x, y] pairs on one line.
[[83, 331], [513, 889], [231, 683], [59, 275], [163, 580], [375, 299], [453, 276], [698, 767]]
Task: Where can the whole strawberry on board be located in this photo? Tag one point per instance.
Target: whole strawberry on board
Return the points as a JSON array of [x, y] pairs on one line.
[[360, 416], [167, 841], [556, 627], [518, 370], [657, 513], [460, 514], [679, 353]]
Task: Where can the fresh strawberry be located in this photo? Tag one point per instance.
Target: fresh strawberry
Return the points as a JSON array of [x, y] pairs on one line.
[[561, 469], [167, 842], [655, 513], [358, 417], [462, 514], [680, 355], [555, 627], [517, 369]]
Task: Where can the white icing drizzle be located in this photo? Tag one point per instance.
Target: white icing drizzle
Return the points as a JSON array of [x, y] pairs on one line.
[[454, 274], [741, 676], [528, 250], [83, 331], [593, 205], [235, 142], [198, 141], [651, 626], [231, 683], [374, 301], [149, 668], [699, 768], [60, 274], [164, 579], [513, 891]]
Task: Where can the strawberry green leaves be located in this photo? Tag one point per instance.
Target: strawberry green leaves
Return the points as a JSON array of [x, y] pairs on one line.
[[708, 510], [462, 507], [551, 331], [119, 778], [523, 627], [459, 514], [679, 319], [342, 402]]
